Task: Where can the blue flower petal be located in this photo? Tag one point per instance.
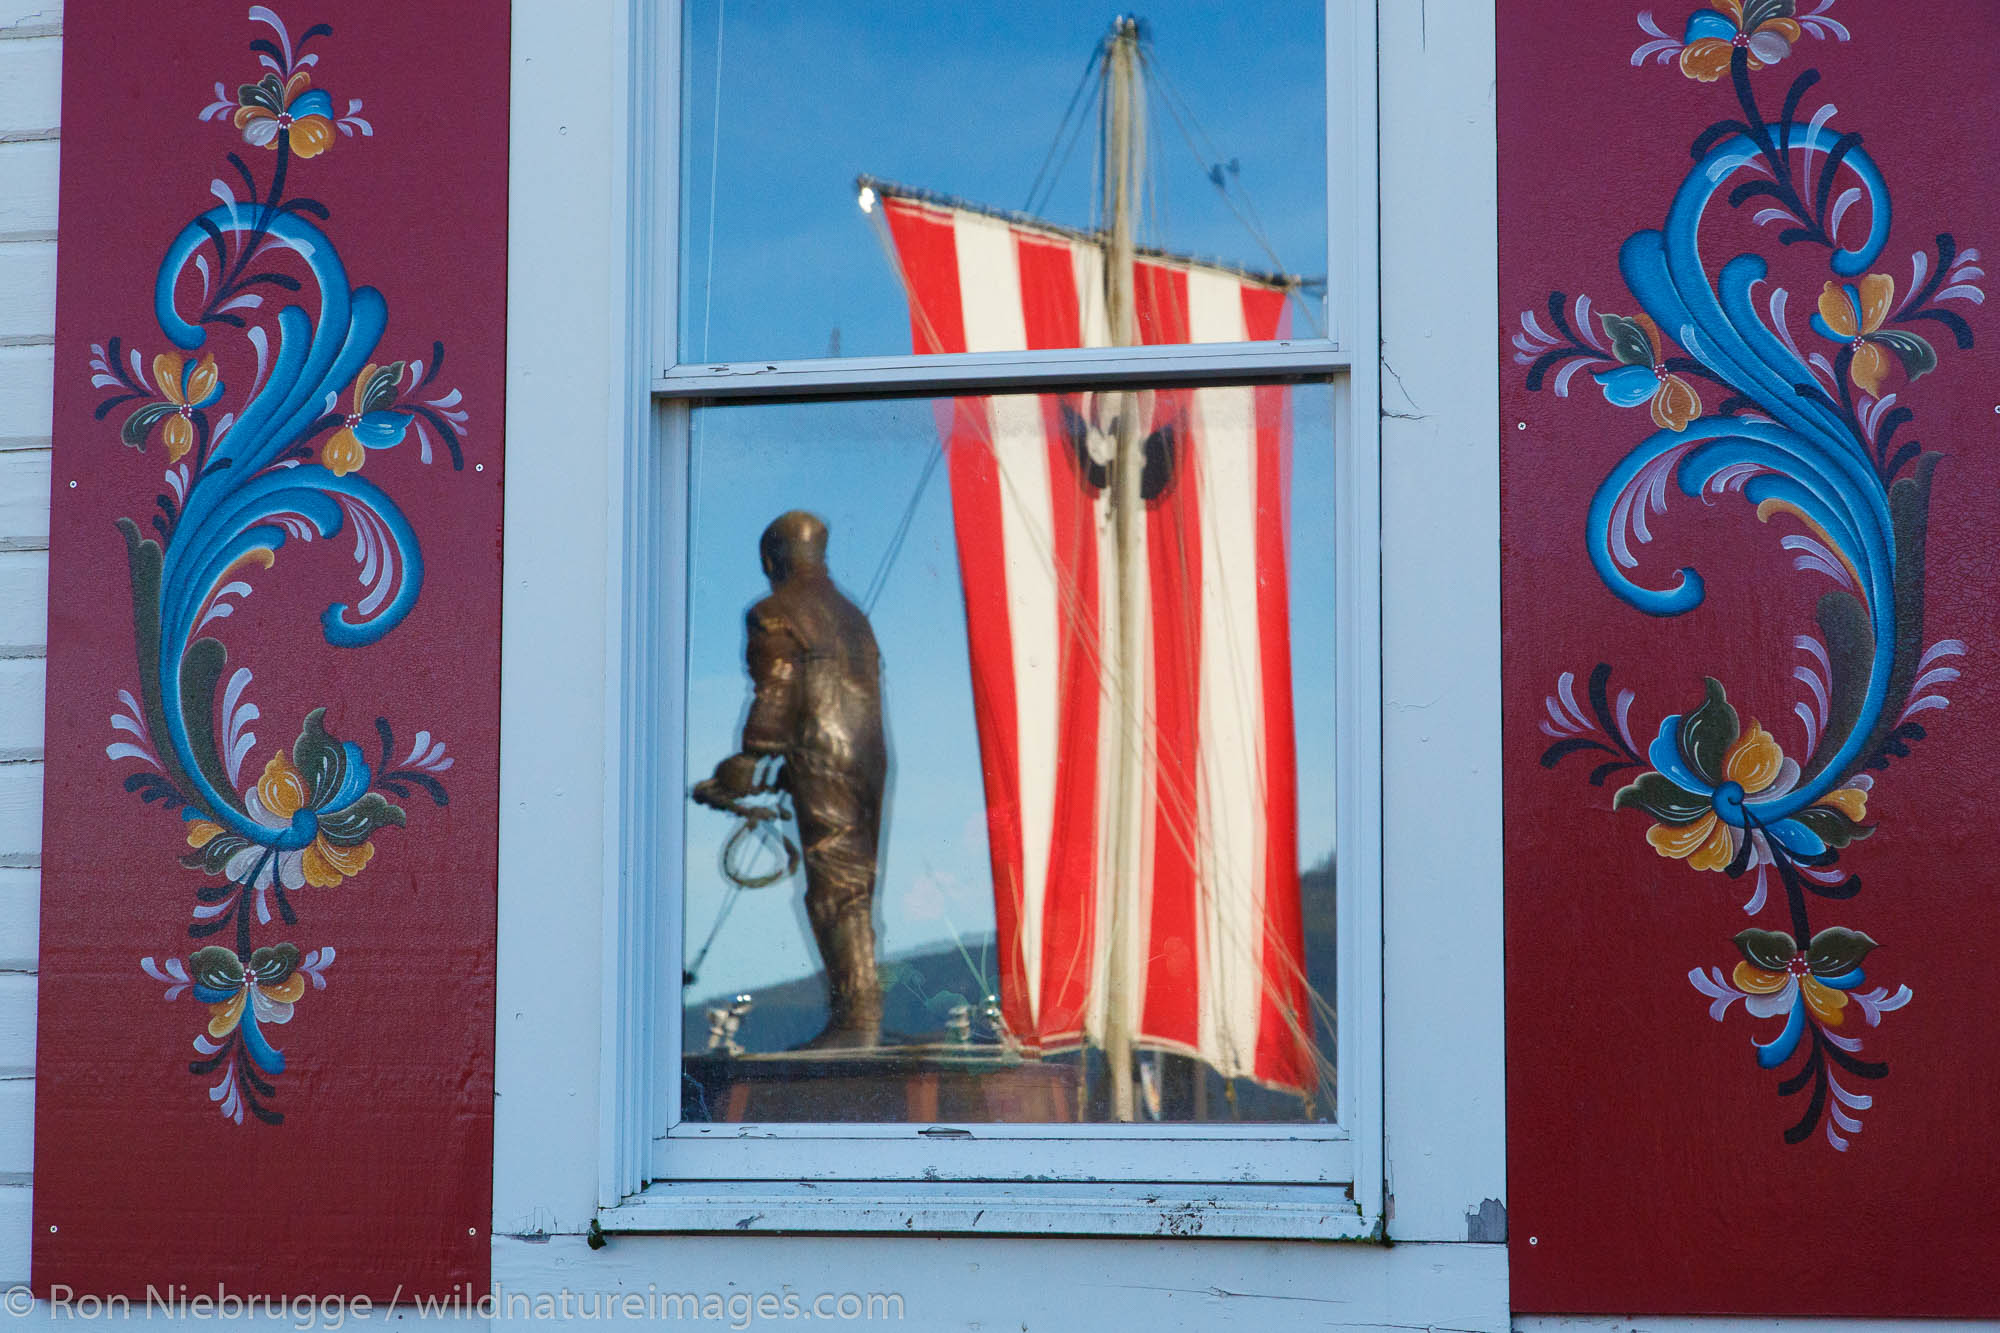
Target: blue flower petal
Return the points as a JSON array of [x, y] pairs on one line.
[[1847, 980], [382, 430], [267, 1058], [1665, 755], [1703, 23], [1772, 1054], [1628, 386], [353, 782], [1796, 838], [314, 103], [211, 995]]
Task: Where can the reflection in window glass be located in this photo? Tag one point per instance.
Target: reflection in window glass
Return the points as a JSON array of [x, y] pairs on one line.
[[1010, 738], [1002, 128]]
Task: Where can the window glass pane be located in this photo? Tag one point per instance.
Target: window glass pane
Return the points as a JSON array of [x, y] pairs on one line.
[[919, 749], [876, 177]]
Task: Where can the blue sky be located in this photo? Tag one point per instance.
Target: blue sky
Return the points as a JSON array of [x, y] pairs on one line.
[[964, 99], [966, 103]]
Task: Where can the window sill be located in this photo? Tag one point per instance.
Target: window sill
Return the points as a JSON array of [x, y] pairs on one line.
[[1242, 1212]]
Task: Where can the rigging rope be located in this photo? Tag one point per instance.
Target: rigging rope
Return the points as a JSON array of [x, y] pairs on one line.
[[1092, 72], [881, 578]]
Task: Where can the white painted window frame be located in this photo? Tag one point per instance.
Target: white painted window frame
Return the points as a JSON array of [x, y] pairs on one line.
[[1317, 1181], [576, 393]]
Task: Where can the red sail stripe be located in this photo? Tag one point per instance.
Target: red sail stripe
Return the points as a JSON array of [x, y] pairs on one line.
[[927, 251], [1285, 1024], [976, 496], [1174, 976]]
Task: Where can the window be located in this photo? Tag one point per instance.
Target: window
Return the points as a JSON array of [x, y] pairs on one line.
[[952, 389]]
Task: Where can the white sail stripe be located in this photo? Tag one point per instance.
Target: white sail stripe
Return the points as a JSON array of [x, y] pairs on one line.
[[1231, 782], [1232, 777], [989, 285], [1035, 633], [1088, 262]]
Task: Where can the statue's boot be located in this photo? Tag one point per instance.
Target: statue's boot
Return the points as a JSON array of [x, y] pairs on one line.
[[854, 988]]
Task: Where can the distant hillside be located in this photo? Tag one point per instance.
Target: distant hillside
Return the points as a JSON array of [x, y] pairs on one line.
[[921, 988], [919, 991]]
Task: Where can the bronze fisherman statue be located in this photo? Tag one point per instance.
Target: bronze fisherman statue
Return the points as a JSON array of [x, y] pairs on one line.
[[818, 707]]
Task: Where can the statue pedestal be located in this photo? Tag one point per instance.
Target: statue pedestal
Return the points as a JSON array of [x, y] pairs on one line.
[[935, 1083]]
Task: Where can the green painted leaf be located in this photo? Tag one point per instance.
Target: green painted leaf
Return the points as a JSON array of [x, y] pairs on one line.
[[213, 857], [320, 759], [1768, 949], [201, 684], [380, 390], [1837, 949], [1919, 358], [216, 967], [1756, 13], [1834, 827], [140, 424], [354, 825], [1662, 798], [1629, 342], [273, 963], [1708, 732], [264, 93]]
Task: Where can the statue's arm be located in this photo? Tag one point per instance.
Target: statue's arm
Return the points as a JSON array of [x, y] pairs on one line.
[[776, 660]]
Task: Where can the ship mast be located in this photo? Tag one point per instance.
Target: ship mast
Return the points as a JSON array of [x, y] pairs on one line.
[[1125, 152]]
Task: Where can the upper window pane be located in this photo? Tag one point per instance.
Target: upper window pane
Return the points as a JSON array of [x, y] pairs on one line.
[[876, 177]]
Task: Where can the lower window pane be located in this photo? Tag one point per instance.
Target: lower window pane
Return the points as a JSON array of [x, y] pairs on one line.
[[1010, 758]]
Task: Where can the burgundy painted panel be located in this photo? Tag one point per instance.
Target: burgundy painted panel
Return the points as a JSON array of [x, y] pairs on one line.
[[1750, 1059], [273, 650]]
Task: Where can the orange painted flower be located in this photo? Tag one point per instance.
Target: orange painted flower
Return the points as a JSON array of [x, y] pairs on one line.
[[185, 387], [1854, 313], [1707, 769], [371, 425], [1779, 979], [247, 994], [1764, 30], [268, 111], [1642, 375], [319, 813]]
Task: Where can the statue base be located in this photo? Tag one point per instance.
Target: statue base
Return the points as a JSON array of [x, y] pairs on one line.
[[943, 1082]]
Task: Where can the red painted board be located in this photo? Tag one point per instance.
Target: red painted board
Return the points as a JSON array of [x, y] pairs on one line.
[[1750, 1051], [265, 1045]]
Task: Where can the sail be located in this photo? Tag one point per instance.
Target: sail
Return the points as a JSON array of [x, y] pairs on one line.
[[1217, 946]]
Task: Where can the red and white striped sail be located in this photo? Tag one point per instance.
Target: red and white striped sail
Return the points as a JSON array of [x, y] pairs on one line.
[[1218, 952]]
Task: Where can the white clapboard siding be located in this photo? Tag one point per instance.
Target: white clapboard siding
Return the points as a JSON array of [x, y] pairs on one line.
[[17, 1128], [24, 603], [24, 499], [20, 812], [20, 932], [14, 1222], [22, 681], [28, 191], [17, 1024], [27, 385], [27, 289], [30, 85], [30, 18], [30, 112]]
